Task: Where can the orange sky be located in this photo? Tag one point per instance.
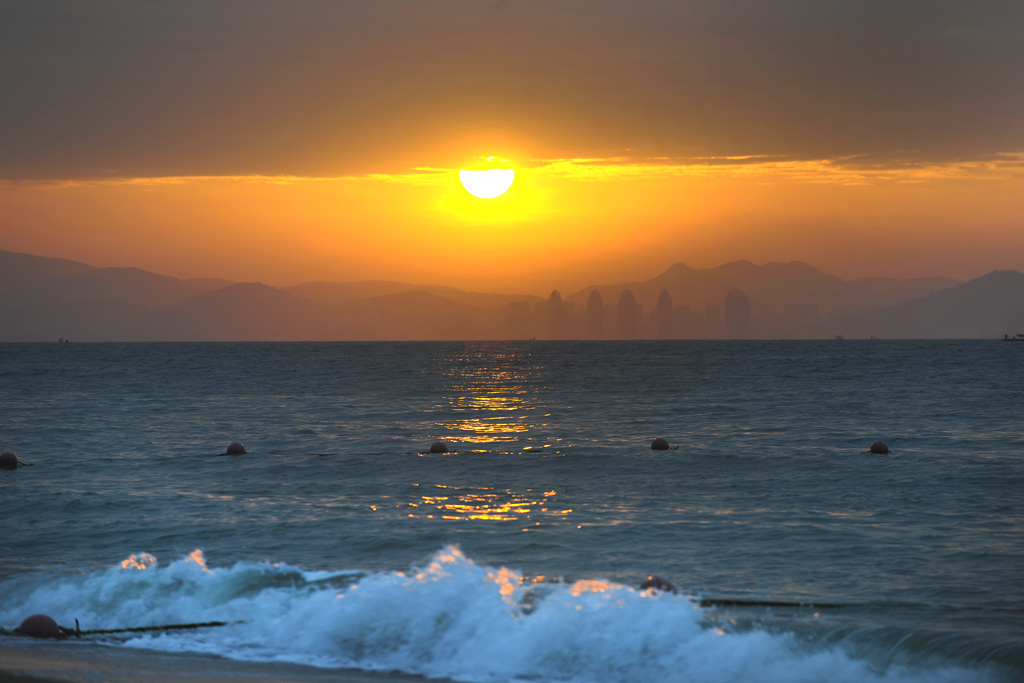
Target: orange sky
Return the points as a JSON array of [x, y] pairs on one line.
[[271, 142]]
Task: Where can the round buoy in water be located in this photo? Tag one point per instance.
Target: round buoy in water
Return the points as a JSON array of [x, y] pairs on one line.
[[659, 444], [438, 447], [880, 447], [235, 448], [8, 461], [39, 626], [656, 583]]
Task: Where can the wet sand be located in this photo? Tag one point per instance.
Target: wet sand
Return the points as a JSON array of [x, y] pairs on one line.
[[24, 660]]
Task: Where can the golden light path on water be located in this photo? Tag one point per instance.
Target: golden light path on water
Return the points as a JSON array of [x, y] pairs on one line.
[[488, 408], [491, 399], [505, 505], [488, 404]]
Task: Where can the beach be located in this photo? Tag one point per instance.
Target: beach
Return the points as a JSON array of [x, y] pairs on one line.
[[22, 659]]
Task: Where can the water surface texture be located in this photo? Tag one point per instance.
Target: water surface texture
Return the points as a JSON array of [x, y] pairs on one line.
[[340, 541]]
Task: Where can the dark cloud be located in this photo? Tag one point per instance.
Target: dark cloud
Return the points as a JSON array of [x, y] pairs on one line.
[[319, 88]]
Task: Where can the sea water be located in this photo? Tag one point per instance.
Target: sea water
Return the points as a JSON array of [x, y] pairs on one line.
[[340, 541]]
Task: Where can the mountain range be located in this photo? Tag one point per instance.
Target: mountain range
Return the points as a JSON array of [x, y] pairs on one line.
[[44, 299], [774, 288]]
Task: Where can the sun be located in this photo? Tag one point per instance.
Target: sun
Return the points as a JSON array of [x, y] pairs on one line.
[[490, 179]]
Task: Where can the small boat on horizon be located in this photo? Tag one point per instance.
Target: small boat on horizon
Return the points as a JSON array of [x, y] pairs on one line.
[[1016, 337]]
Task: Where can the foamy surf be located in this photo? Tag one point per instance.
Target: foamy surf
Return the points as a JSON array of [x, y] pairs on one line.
[[448, 617]]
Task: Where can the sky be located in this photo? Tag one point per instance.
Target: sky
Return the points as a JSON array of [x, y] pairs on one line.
[[283, 142]]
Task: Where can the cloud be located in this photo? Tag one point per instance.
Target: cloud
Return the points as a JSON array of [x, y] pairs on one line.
[[854, 170], [843, 170], [267, 87]]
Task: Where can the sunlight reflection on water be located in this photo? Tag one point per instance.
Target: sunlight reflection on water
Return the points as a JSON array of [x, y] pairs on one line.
[[485, 402], [486, 503]]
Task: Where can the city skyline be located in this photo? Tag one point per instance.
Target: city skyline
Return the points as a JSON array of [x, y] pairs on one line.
[[58, 299]]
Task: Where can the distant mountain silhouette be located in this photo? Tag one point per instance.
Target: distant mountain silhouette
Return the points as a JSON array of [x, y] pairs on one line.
[[989, 306], [248, 311], [27, 278], [46, 299], [335, 293], [22, 274], [78, 320], [42, 299], [773, 288], [407, 316]]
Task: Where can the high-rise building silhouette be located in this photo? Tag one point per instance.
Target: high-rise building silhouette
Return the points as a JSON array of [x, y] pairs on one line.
[[713, 322], [663, 316], [737, 315], [627, 315], [555, 316], [689, 324], [518, 322], [595, 315]]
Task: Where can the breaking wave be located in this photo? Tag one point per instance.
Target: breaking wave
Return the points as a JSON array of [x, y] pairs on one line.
[[451, 617]]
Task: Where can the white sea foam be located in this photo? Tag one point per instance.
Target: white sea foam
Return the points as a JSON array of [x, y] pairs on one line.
[[449, 617]]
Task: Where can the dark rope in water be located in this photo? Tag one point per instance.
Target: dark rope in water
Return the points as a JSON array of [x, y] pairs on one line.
[[741, 602], [138, 629], [77, 632]]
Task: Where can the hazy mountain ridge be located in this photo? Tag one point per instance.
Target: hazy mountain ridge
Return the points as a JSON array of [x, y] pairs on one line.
[[990, 306], [336, 293], [28, 278], [44, 298], [774, 287], [247, 311], [18, 271]]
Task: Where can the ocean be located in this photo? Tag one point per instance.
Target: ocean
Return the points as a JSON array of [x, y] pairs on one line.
[[339, 541]]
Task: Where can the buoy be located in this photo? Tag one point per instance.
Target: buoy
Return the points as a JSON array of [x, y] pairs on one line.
[[39, 626], [880, 447], [235, 448], [659, 444], [8, 461], [656, 583], [438, 447]]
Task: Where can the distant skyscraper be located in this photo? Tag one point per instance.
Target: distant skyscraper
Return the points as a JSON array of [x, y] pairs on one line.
[[627, 315], [689, 324], [556, 316], [595, 315], [737, 315], [663, 316], [713, 322], [517, 320]]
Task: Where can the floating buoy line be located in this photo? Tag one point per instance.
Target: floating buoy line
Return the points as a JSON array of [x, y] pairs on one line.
[[43, 626]]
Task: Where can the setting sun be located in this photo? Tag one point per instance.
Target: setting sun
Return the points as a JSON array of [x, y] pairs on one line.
[[487, 182]]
